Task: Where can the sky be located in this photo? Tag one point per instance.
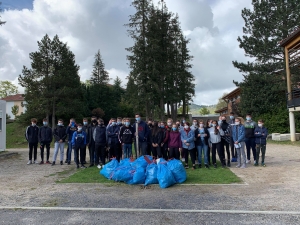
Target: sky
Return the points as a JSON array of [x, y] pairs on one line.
[[212, 26]]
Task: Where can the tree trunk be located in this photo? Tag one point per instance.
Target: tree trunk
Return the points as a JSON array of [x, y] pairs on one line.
[[53, 115], [183, 107], [168, 109]]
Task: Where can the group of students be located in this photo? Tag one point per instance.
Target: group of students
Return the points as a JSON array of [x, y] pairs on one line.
[[160, 139]]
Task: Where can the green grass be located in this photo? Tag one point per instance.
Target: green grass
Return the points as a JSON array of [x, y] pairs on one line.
[[15, 136], [198, 176], [294, 143]]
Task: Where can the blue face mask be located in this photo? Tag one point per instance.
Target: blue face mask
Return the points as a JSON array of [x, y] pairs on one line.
[[183, 121], [45, 123], [162, 126], [127, 124], [113, 123], [59, 124], [138, 119], [231, 117], [213, 125], [174, 128], [85, 123], [119, 123], [248, 118], [72, 124], [79, 128]]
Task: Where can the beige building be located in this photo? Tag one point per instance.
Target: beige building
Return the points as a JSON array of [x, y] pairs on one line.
[[13, 100]]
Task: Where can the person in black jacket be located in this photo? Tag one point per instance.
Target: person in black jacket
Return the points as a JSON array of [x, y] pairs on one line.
[[59, 138], [45, 138], [113, 139], [201, 143], [99, 137], [225, 139], [91, 143], [149, 144], [126, 137], [156, 140], [86, 129], [32, 137]]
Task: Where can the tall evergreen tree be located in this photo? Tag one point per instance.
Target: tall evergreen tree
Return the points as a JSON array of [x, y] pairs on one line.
[[99, 74]]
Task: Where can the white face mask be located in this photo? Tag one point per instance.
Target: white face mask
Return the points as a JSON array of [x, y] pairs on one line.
[[169, 124], [201, 125], [260, 124], [33, 124], [195, 123], [186, 127], [237, 123]]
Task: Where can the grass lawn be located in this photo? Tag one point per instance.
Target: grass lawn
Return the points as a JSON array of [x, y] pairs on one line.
[[295, 143], [15, 136], [198, 176]]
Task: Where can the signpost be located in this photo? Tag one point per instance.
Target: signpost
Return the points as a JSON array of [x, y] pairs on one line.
[[2, 125]]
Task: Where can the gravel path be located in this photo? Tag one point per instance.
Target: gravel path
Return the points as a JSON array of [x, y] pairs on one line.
[[271, 188]]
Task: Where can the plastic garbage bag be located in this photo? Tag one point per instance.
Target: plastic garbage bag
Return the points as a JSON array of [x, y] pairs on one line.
[[139, 176], [109, 168], [141, 161], [177, 170], [164, 175], [122, 173], [151, 174], [125, 162]]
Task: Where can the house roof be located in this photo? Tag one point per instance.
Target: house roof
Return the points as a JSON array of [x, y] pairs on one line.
[[221, 110], [13, 98], [232, 94], [290, 37]]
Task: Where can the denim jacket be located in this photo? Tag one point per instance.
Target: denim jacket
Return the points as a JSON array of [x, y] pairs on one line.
[[189, 138]]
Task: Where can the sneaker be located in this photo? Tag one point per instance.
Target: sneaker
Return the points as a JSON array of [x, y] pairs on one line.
[[199, 166], [182, 159], [238, 166], [83, 167], [255, 164], [186, 166], [228, 164], [48, 162], [77, 166], [42, 162], [29, 162], [70, 163], [263, 164], [99, 167], [66, 161], [248, 161], [53, 163], [61, 163], [206, 166], [215, 165], [243, 166], [36, 162]]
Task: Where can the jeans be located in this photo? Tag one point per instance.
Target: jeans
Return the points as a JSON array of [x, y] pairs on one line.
[[92, 152], [33, 147], [127, 150], [250, 144], [157, 152], [42, 151], [142, 148], [58, 146], [100, 152], [76, 154], [232, 148], [69, 151], [241, 156], [225, 146], [202, 148]]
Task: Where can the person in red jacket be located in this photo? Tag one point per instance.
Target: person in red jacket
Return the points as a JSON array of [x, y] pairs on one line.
[[174, 142]]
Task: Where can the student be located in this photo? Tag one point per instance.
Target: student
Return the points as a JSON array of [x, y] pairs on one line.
[[70, 131], [59, 138], [170, 123], [208, 125], [142, 132], [250, 126], [201, 143], [32, 137], [91, 143], [126, 136], [188, 144], [113, 139], [86, 129], [233, 151], [225, 139], [156, 140], [99, 137], [174, 143], [45, 138], [215, 133], [78, 144], [261, 134], [195, 125], [238, 136], [164, 144], [149, 144]]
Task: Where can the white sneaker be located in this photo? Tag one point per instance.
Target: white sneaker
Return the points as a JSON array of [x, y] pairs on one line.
[[196, 162], [254, 161], [36, 162], [243, 166], [99, 166], [248, 161], [183, 160], [29, 162]]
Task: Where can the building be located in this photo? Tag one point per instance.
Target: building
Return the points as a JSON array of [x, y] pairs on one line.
[[14, 100], [232, 99]]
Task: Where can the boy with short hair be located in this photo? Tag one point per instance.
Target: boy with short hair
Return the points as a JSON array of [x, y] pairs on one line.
[[261, 134], [45, 138], [113, 139], [78, 144], [91, 141], [32, 137], [126, 136], [86, 129], [59, 138], [70, 131], [99, 137]]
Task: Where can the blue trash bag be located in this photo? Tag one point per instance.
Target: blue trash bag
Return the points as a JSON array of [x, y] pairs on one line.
[[125, 162], [109, 168], [122, 173], [151, 174], [164, 175], [141, 162], [139, 176], [177, 170]]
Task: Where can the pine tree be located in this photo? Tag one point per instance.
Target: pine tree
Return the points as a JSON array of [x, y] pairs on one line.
[[99, 74], [1, 22]]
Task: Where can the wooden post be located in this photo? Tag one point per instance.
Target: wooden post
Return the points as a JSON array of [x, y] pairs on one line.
[[288, 73]]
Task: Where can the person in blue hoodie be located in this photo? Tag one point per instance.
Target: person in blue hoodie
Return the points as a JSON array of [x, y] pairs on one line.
[[78, 144], [143, 133], [70, 131], [261, 134], [113, 140], [188, 144], [45, 138]]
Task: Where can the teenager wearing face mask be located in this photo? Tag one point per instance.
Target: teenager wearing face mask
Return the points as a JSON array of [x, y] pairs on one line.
[[201, 143], [119, 123], [32, 137], [70, 131], [238, 135], [261, 134], [233, 151], [78, 144], [174, 143], [149, 144], [85, 128], [170, 123], [225, 139], [99, 137], [113, 140], [164, 144], [126, 136], [142, 133], [45, 138], [188, 144], [208, 125], [91, 141], [215, 133], [250, 126], [195, 125], [60, 138]]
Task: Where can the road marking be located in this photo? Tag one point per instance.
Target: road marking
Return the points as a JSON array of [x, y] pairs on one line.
[[150, 210]]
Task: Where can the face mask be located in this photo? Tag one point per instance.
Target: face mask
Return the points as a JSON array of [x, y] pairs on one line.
[[174, 128], [72, 124], [237, 123], [138, 119], [119, 123], [79, 128], [59, 124], [177, 124], [223, 120], [85, 123], [260, 124], [149, 124], [248, 118], [127, 124], [162, 126], [183, 121], [33, 124], [169, 124], [195, 123], [45, 123], [231, 117], [113, 123], [94, 121], [201, 125], [219, 122], [213, 125], [186, 127]]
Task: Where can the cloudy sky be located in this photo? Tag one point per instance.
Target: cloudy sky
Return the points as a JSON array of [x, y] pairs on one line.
[[88, 25]]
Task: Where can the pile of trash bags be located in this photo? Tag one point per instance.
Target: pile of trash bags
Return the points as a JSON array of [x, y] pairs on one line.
[[145, 170]]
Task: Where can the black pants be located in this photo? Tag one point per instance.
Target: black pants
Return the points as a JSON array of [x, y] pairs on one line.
[[225, 146], [174, 153], [157, 152], [164, 150], [250, 144], [233, 151], [114, 151], [217, 147], [79, 150], [208, 154], [47, 149], [100, 152], [192, 153], [149, 148], [92, 152], [32, 147], [84, 154]]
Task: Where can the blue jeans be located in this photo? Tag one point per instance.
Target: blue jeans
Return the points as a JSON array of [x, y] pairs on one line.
[[127, 150], [142, 148], [250, 144], [202, 148]]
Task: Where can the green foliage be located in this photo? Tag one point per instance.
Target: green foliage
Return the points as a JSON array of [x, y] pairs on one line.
[[15, 135], [15, 110], [99, 74], [221, 103], [7, 88], [98, 112], [204, 111]]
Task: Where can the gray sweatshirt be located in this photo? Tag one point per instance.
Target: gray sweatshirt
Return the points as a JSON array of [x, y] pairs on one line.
[[215, 138]]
